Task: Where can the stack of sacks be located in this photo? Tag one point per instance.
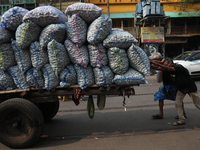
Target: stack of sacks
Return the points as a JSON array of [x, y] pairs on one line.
[[45, 47]]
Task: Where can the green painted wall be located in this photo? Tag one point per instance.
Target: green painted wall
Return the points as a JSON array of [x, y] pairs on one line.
[[171, 14]]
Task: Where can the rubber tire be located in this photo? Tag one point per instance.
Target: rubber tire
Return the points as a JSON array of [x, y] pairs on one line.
[[50, 109], [21, 123]]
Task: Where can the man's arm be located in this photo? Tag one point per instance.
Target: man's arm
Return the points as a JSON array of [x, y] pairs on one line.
[[162, 67], [156, 60], [154, 63], [156, 67]]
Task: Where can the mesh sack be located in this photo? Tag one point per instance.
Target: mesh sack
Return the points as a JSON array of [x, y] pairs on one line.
[[98, 55], [39, 57], [89, 12], [78, 55], [120, 39], [50, 78], [99, 29], [45, 15], [35, 78], [138, 59], [58, 56], [68, 76], [6, 81], [13, 17], [117, 29], [103, 76], [18, 77], [7, 57], [85, 76], [52, 31], [5, 35], [23, 57], [27, 33], [131, 77], [76, 29], [118, 60]]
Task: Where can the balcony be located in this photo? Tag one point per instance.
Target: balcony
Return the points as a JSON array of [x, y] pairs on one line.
[[3, 9], [112, 1], [3, 2], [16, 2], [178, 30], [170, 1], [55, 1], [193, 29]]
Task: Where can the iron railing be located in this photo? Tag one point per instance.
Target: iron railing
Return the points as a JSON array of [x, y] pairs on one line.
[[22, 1]]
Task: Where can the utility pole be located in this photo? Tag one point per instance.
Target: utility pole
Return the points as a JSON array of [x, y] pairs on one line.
[[108, 7]]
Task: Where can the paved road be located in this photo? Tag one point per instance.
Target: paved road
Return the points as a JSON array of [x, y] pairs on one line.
[[114, 128]]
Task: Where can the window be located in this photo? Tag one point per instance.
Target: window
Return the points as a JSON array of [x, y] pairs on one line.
[[178, 26], [196, 56], [178, 22], [116, 23]]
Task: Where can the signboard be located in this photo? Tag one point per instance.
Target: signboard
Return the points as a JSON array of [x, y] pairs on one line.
[[152, 35]]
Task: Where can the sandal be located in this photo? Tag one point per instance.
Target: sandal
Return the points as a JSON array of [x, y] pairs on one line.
[[178, 117], [157, 117], [178, 123]]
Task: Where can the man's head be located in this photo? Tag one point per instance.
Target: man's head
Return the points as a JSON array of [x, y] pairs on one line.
[[156, 56], [168, 62]]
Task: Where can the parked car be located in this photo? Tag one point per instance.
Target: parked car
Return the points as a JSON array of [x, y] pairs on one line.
[[191, 61]]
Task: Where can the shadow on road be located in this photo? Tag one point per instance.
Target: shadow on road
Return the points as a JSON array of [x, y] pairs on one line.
[[109, 123]]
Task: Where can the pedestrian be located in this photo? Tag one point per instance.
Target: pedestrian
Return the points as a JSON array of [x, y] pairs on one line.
[[185, 85], [155, 56], [167, 91]]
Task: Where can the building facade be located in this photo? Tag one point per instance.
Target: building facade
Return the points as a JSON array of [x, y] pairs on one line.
[[181, 22]]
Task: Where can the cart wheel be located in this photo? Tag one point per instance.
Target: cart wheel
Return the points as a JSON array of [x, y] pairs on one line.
[[21, 123], [50, 109]]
